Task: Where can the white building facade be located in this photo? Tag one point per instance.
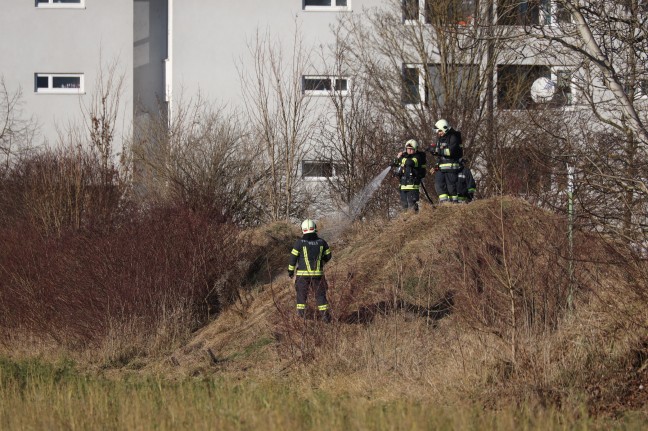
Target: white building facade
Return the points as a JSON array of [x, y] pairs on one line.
[[53, 51], [57, 51]]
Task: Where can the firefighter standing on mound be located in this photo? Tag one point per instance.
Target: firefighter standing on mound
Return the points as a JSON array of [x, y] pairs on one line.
[[466, 185], [449, 151], [308, 256], [411, 170]]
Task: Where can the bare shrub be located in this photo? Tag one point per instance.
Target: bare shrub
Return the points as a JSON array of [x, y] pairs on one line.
[[60, 189], [16, 132], [202, 160], [76, 287], [514, 272]]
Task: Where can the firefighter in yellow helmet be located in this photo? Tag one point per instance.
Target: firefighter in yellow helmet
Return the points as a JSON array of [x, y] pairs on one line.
[[411, 165], [307, 259]]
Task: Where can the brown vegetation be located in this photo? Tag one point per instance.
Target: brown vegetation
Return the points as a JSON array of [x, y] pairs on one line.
[[426, 308], [454, 303]]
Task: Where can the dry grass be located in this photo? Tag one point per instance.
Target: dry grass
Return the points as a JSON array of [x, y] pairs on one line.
[[38, 396], [413, 328], [397, 334]]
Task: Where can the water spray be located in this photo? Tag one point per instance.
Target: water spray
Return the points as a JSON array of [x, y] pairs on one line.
[[342, 218]]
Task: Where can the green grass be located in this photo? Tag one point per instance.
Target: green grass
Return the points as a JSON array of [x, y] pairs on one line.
[[36, 395]]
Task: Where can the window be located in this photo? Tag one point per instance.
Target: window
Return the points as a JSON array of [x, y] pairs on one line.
[[59, 83], [410, 10], [533, 87], [514, 84], [532, 12], [637, 91], [60, 3], [440, 84], [411, 91], [523, 172], [559, 13], [326, 5], [518, 12], [460, 12], [320, 169], [554, 12], [643, 88], [563, 94], [324, 85]]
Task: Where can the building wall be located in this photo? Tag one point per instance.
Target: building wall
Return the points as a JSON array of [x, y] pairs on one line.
[[210, 40], [209, 43], [66, 40]]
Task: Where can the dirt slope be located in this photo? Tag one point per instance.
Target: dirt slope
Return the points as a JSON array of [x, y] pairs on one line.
[[463, 300], [414, 263]]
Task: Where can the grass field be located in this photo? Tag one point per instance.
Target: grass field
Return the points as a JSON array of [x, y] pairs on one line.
[[37, 395]]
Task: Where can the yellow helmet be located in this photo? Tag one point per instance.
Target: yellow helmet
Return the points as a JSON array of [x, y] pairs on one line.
[[308, 226]]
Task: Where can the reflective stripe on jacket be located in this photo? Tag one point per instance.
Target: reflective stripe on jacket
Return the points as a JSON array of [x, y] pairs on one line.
[[449, 150], [308, 256], [412, 168]]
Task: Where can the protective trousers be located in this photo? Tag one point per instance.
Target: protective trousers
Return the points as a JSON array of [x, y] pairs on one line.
[[466, 186], [445, 183], [303, 286], [409, 199]]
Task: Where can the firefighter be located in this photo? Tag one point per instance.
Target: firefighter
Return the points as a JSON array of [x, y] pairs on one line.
[[307, 258], [466, 186], [412, 167], [449, 150]]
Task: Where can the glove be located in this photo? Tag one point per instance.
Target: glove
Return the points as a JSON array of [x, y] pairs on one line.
[[290, 274]]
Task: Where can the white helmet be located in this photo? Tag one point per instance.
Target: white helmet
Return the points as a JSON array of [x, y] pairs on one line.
[[411, 144], [308, 226], [442, 125]]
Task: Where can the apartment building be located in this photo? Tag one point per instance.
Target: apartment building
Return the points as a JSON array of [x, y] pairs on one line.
[[54, 51], [58, 51]]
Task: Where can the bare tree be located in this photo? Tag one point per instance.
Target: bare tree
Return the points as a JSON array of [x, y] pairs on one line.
[[600, 48], [101, 114], [422, 61], [16, 133], [425, 63], [353, 137], [204, 161], [279, 117]]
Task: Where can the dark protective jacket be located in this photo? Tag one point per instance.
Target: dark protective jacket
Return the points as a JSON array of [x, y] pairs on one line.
[[411, 169], [466, 185], [449, 149], [308, 256]]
